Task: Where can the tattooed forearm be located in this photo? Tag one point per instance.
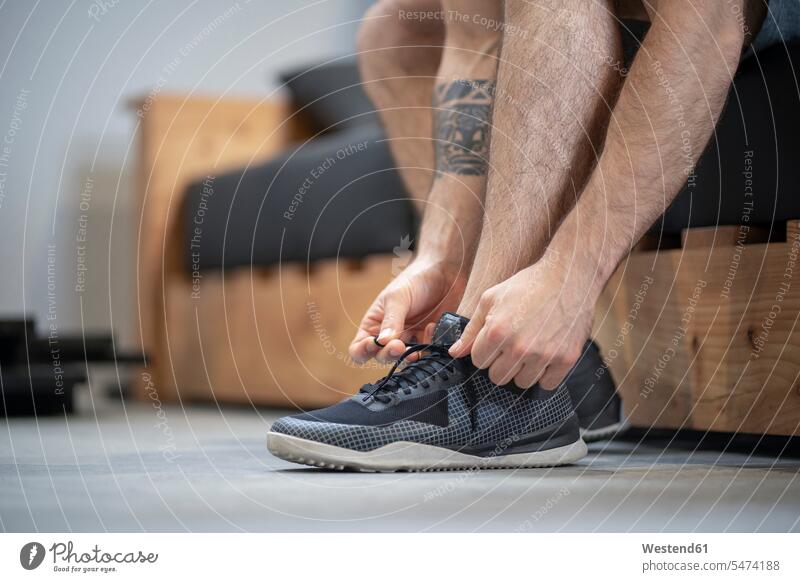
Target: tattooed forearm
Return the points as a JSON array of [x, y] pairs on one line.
[[461, 124]]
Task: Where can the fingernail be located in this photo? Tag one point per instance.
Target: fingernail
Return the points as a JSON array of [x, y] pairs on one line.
[[395, 351], [454, 349], [372, 347], [388, 332]]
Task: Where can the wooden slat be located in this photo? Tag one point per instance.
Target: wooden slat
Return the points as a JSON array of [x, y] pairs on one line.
[[722, 236], [279, 339], [730, 313], [183, 138], [792, 229]]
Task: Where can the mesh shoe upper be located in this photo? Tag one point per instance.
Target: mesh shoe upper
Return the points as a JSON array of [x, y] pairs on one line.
[[437, 401], [491, 415]]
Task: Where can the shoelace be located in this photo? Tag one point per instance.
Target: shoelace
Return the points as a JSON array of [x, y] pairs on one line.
[[420, 372]]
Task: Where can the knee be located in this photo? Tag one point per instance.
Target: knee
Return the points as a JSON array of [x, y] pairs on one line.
[[395, 32]]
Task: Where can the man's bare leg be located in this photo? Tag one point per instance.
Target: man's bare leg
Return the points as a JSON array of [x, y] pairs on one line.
[[453, 209], [554, 96], [555, 91], [399, 52]]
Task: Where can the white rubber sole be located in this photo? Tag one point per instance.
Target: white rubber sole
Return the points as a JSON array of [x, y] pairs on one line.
[[606, 432], [408, 456]]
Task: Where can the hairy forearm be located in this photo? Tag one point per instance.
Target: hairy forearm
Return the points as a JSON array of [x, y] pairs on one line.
[[462, 104], [661, 123]]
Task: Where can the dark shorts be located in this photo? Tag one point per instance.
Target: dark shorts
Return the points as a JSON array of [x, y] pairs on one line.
[[781, 25]]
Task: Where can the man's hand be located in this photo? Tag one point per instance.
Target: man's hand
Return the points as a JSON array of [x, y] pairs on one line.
[[406, 307], [532, 327]]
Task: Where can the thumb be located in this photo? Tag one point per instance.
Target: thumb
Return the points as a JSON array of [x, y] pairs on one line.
[[395, 308], [463, 346]]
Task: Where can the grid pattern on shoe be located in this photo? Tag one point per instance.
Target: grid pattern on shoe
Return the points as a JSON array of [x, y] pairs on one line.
[[504, 407], [500, 415]]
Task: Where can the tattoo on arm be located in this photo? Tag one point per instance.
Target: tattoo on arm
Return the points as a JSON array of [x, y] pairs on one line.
[[461, 125]]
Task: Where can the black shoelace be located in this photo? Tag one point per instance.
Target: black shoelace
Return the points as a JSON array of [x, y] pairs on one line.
[[419, 373]]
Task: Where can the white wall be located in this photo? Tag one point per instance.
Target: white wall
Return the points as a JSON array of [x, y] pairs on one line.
[[68, 71]]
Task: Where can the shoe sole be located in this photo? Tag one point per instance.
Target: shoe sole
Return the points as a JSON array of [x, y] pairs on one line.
[[606, 432], [408, 456]]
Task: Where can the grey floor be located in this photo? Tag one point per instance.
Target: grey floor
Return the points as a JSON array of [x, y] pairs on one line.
[[201, 469]]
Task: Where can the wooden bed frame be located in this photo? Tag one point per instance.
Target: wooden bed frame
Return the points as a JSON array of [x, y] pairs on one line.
[[706, 336], [691, 333], [274, 336]]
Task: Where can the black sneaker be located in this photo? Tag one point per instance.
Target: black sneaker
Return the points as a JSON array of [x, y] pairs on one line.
[[595, 397], [437, 413]]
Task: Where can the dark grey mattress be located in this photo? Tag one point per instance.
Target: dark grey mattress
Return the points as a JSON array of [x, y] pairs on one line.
[[336, 196], [340, 195]]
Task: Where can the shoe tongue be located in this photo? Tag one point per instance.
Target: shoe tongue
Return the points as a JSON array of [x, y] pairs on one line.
[[449, 329]]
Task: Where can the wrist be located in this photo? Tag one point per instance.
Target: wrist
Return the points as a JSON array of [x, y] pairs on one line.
[[433, 258], [439, 251], [447, 245], [451, 224]]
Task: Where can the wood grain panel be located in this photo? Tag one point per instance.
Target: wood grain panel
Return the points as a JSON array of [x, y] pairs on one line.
[[183, 138], [716, 344], [276, 336]]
